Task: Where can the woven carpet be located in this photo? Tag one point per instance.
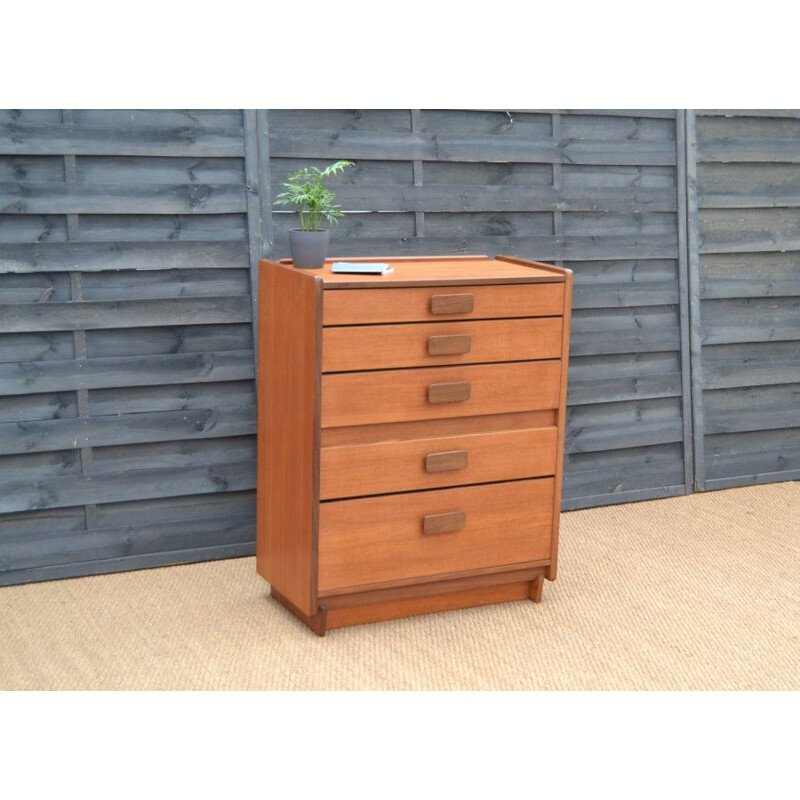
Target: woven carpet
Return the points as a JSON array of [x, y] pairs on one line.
[[697, 592]]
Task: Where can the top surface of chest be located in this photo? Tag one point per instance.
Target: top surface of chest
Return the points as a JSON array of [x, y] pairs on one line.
[[438, 271]]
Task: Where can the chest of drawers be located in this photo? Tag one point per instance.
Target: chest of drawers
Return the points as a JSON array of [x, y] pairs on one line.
[[410, 435]]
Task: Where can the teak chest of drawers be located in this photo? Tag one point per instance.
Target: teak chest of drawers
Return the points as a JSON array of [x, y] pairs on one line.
[[410, 435]]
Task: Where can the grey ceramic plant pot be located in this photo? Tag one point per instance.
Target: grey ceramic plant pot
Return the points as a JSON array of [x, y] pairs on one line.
[[308, 248]]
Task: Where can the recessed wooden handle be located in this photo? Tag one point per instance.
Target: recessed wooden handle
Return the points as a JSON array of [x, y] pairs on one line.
[[444, 462], [450, 345], [444, 523], [452, 303], [449, 392]]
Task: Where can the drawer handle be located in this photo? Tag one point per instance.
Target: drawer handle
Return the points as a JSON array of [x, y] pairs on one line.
[[450, 345], [452, 303], [449, 392], [445, 462], [444, 523]]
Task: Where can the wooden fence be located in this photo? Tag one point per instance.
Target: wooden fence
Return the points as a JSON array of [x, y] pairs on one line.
[[594, 190], [129, 240], [746, 267], [127, 415]]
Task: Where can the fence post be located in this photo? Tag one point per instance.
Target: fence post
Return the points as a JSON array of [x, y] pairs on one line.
[[259, 214], [695, 337], [683, 294]]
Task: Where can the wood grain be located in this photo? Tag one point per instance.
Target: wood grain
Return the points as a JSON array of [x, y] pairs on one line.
[[353, 348], [397, 466], [368, 306], [316, 621], [535, 593], [364, 398], [437, 271], [433, 428], [446, 304], [426, 604], [365, 145], [288, 439], [433, 584], [379, 539], [562, 428], [27, 317]]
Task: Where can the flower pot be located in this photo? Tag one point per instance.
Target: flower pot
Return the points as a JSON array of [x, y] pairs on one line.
[[308, 248]]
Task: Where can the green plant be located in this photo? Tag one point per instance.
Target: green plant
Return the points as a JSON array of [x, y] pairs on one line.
[[305, 190]]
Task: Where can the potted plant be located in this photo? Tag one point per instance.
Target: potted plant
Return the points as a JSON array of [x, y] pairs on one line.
[[305, 190]]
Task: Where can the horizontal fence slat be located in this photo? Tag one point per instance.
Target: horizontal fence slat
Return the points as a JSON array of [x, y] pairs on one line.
[[21, 138], [594, 438], [752, 419], [783, 197], [611, 480], [615, 389], [644, 113], [775, 461], [126, 563], [130, 540], [100, 256], [542, 248], [609, 342], [78, 490], [157, 426], [624, 295], [121, 198], [179, 510], [32, 377], [757, 286], [750, 320], [172, 397], [727, 374], [653, 113], [745, 241], [300, 143], [777, 113], [768, 150], [781, 476], [461, 197], [633, 496], [93, 314]]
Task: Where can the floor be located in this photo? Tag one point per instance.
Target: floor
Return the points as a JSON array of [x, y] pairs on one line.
[[696, 592]]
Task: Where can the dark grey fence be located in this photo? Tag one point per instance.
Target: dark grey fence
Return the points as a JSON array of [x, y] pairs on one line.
[[128, 242], [594, 190], [747, 268], [127, 414]]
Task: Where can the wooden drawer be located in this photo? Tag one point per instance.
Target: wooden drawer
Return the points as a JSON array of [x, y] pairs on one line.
[[383, 467], [364, 306], [379, 539], [364, 398], [421, 345]]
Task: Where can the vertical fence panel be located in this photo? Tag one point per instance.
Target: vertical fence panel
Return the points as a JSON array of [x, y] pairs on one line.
[[127, 406], [593, 190], [748, 271]]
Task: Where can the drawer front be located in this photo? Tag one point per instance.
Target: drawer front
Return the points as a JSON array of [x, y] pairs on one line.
[[365, 398], [442, 303], [421, 345], [383, 467], [378, 539]]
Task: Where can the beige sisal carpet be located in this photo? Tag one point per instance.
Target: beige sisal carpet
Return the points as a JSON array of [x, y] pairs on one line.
[[698, 592]]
